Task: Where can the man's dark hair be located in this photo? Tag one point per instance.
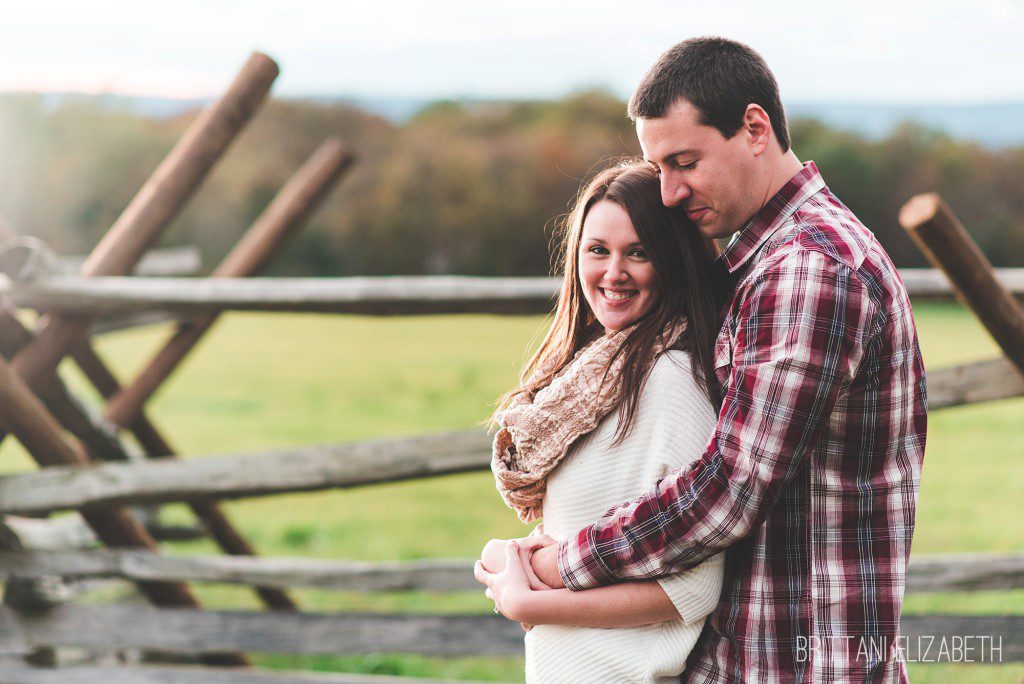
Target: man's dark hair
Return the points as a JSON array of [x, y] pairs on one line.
[[719, 77]]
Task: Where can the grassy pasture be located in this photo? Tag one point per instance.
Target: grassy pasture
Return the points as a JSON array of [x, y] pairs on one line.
[[265, 381]]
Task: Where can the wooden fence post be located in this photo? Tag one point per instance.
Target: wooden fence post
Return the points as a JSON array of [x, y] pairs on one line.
[[948, 246]]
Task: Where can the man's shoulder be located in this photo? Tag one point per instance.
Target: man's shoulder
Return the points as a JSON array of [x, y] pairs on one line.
[[824, 236], [826, 226]]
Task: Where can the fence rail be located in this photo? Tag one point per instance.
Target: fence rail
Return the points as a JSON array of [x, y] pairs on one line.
[[236, 476], [177, 674], [960, 572], [176, 630], [379, 296]]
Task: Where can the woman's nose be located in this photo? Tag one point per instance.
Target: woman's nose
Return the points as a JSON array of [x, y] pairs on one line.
[[617, 271]]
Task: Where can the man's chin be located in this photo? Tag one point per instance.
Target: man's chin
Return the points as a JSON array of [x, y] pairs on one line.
[[710, 231], [715, 230]]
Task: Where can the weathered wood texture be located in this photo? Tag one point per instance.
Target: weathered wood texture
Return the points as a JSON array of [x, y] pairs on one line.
[[947, 245], [370, 295], [30, 593], [385, 296], [966, 572], [173, 630], [428, 575], [99, 437], [280, 220], [234, 476], [159, 200], [64, 533], [27, 258], [933, 283], [973, 382], [18, 673], [960, 572]]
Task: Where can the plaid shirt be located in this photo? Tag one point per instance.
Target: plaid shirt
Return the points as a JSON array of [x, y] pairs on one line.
[[811, 478]]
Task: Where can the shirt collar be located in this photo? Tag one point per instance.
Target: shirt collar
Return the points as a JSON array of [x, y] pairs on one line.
[[779, 208]]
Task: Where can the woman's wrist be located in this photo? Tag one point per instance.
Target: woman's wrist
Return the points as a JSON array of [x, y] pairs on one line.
[[523, 607]]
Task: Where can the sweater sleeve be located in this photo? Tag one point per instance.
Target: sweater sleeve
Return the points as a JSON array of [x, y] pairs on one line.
[[695, 592]]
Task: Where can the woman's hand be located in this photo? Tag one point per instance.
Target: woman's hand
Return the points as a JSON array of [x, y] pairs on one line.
[[509, 588]]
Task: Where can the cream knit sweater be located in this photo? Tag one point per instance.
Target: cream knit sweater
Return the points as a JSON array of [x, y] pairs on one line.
[[673, 425]]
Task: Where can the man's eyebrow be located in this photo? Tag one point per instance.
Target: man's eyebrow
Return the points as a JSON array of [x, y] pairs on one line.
[[678, 153]]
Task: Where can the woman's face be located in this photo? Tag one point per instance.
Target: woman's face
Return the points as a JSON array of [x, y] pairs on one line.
[[618, 279]]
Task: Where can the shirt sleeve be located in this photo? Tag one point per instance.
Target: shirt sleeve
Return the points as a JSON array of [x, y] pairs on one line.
[[798, 342]]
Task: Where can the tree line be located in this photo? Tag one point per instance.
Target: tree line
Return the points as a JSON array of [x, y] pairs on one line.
[[469, 188]]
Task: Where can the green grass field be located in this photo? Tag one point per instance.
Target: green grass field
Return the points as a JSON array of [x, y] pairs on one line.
[[265, 381]]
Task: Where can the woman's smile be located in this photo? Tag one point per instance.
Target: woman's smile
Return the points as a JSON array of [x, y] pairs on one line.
[[618, 296]]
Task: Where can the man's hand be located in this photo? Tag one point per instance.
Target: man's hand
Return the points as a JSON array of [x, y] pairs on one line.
[[543, 555]]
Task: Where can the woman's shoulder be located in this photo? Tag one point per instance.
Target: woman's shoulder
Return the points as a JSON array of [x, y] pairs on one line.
[[671, 367], [671, 381]]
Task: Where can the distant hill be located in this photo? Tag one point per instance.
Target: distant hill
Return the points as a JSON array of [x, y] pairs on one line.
[[993, 125]]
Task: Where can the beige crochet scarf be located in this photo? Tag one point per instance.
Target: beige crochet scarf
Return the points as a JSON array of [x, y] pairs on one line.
[[536, 432]]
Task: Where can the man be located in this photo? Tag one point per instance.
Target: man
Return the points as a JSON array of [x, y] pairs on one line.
[[810, 480]]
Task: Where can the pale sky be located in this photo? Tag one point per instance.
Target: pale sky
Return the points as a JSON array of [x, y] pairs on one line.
[[894, 51]]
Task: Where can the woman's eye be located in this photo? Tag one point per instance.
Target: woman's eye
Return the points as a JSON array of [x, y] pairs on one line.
[[639, 253], [597, 249]]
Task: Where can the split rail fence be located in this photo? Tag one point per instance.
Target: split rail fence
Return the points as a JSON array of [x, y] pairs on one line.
[[116, 490]]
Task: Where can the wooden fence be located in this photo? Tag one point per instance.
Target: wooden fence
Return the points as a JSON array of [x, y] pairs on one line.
[[114, 487]]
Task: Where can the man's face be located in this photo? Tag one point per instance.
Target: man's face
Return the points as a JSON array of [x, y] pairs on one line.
[[701, 171]]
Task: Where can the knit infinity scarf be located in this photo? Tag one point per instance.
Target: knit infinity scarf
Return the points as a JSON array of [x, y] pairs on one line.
[[537, 431]]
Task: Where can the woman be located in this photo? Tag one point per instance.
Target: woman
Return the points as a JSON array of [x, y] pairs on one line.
[[621, 392]]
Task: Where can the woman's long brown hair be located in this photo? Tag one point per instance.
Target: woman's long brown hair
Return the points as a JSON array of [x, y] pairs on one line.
[[692, 287]]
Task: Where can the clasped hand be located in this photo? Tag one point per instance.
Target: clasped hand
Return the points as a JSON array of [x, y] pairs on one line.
[[505, 568]]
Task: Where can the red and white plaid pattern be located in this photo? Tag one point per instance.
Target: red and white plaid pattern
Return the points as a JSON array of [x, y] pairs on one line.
[[810, 481]]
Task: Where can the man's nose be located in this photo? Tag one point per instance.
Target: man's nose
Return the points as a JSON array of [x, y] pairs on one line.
[[673, 192]]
